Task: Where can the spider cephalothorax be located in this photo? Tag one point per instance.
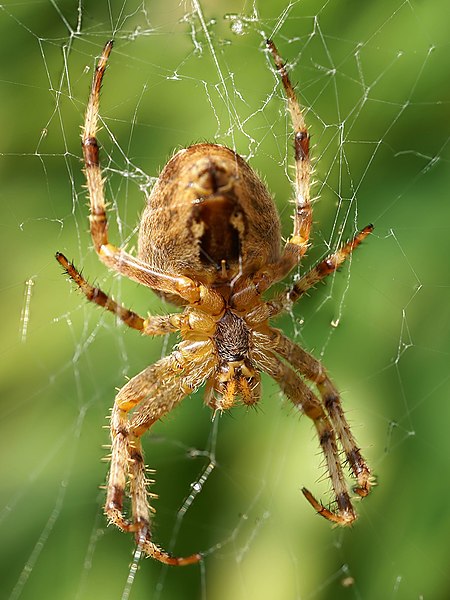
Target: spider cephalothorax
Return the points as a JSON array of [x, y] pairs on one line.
[[210, 241]]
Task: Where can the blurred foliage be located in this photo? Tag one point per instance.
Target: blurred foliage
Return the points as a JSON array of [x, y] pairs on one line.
[[374, 81]]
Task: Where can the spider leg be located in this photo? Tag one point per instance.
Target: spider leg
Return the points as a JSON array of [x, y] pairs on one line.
[[152, 325], [114, 257], [303, 398], [324, 268], [298, 243], [150, 395], [327, 266], [313, 370]]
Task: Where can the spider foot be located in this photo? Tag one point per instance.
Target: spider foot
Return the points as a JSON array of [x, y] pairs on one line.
[[361, 472], [151, 549], [344, 517], [364, 485], [115, 516]]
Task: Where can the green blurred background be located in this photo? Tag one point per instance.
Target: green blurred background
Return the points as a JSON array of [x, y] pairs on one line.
[[375, 81]]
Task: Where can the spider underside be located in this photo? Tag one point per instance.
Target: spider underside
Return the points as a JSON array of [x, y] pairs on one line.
[[210, 242]]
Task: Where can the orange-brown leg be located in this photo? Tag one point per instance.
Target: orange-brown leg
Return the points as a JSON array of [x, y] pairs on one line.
[[327, 266], [298, 243], [148, 397], [114, 257], [324, 268], [313, 370], [152, 325], [302, 397], [127, 464]]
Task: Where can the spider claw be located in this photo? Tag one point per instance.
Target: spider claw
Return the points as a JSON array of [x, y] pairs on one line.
[[344, 517], [363, 488]]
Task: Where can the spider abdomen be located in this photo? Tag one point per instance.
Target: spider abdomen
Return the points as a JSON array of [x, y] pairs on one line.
[[208, 217]]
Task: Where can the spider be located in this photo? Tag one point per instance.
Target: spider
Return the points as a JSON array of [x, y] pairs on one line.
[[210, 242]]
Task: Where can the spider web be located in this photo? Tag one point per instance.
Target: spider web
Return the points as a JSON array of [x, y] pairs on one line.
[[376, 96]]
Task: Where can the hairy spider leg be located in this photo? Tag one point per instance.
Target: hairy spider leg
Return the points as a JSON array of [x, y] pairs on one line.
[[117, 258], [325, 267], [313, 370], [152, 325], [149, 395], [303, 398], [303, 210], [259, 313], [297, 245]]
